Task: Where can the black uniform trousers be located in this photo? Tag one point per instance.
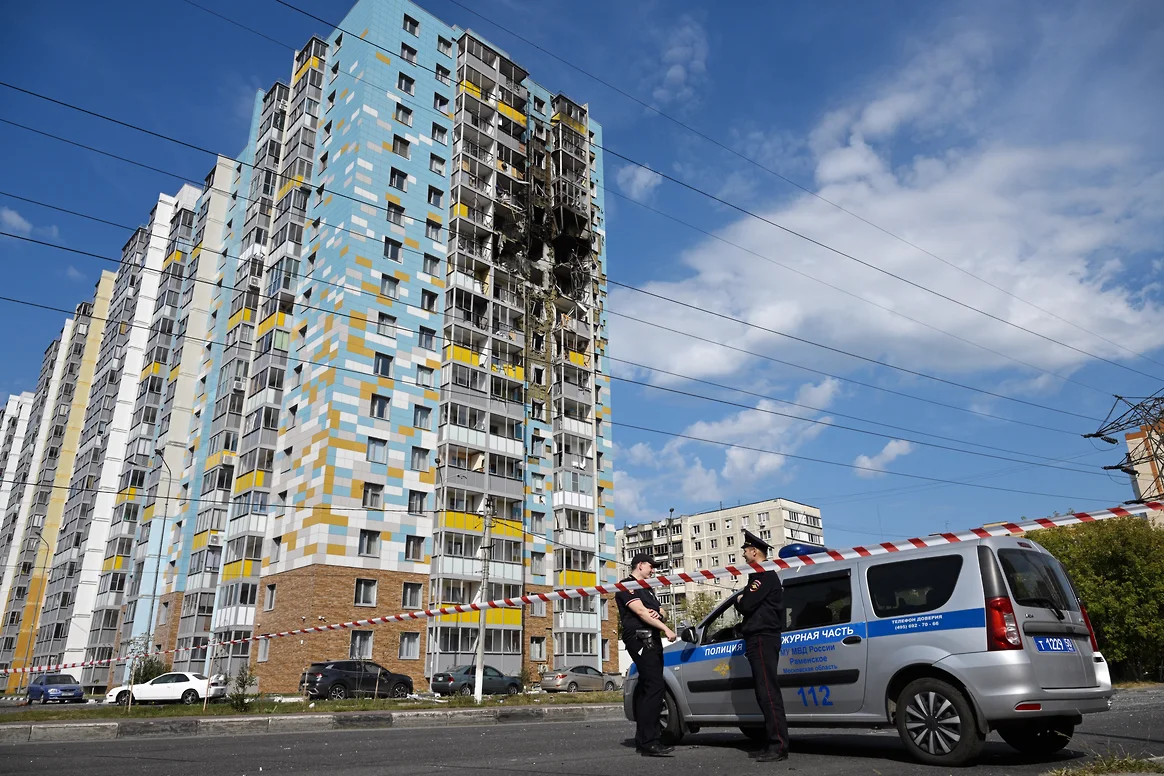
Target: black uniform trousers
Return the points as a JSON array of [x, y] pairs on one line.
[[647, 655], [763, 653]]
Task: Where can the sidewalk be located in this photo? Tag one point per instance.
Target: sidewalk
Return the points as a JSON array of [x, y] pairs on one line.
[[52, 732]]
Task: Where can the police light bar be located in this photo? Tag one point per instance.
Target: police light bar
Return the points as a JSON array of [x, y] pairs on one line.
[[799, 548]]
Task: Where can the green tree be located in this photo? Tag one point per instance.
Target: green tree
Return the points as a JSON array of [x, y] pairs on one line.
[[698, 606], [240, 688], [148, 668], [1117, 567]]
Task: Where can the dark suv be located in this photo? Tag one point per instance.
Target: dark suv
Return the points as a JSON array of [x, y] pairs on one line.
[[340, 679]]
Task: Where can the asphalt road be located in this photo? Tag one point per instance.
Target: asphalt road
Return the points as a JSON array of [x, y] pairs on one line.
[[1134, 727]]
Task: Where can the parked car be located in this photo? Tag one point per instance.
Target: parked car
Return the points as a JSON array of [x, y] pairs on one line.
[[62, 688], [944, 643], [339, 679], [580, 679], [168, 688], [462, 680]]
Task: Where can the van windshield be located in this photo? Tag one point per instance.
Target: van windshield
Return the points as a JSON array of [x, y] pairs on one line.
[[1037, 579]]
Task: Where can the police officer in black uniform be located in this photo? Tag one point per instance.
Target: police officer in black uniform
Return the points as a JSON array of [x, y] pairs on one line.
[[762, 607], [643, 623]]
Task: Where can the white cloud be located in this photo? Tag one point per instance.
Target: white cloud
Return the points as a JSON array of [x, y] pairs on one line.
[[893, 450], [13, 222], [638, 182], [74, 274], [682, 65], [1070, 222]]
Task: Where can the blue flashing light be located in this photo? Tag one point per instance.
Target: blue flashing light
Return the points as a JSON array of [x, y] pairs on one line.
[[799, 548]]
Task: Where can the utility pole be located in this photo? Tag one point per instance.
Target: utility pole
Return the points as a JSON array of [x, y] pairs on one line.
[[483, 553], [1143, 417], [160, 452]]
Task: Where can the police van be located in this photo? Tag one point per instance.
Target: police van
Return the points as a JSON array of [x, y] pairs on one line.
[[944, 643]]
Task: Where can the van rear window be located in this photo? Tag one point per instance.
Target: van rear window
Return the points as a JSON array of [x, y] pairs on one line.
[[913, 586], [1036, 578]]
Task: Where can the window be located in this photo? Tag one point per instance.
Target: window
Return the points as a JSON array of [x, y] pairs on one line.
[[413, 547], [427, 339], [370, 543], [605, 650], [432, 230], [432, 265], [537, 648], [539, 105], [537, 563], [537, 608], [406, 84], [440, 102], [409, 646], [398, 179], [386, 325], [436, 164], [323, 163], [419, 459], [389, 286], [400, 146], [407, 53], [365, 592], [395, 214], [276, 549], [715, 544], [445, 47], [913, 586], [699, 546], [264, 650], [439, 133], [428, 300], [269, 598], [443, 75], [361, 648], [824, 600], [411, 26], [436, 198], [377, 450], [416, 501], [383, 365], [412, 594], [373, 496], [424, 376], [380, 407], [1033, 575]]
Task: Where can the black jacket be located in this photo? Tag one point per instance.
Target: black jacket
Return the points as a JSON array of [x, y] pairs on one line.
[[762, 604]]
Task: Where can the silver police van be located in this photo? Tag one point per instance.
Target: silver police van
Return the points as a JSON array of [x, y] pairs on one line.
[[944, 643]]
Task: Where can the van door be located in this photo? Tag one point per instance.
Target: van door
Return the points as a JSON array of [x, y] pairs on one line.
[[715, 675], [1054, 634], [824, 648]]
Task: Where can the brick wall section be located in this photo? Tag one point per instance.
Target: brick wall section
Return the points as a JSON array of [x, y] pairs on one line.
[[538, 626], [610, 633], [167, 634], [318, 595]]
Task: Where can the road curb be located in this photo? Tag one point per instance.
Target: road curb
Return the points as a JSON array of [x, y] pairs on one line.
[[209, 727]]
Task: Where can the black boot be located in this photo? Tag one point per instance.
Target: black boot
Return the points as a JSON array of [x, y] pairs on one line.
[[772, 756], [655, 750]]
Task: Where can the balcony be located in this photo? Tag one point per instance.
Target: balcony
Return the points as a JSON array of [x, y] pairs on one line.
[[474, 182], [469, 118], [471, 149], [578, 426]]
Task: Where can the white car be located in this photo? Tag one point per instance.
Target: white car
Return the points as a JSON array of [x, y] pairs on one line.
[[174, 686]]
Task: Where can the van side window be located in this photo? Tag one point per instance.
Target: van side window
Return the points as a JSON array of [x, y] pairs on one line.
[[827, 601], [913, 586]]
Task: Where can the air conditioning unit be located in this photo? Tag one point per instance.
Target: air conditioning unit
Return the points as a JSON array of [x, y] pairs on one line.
[[239, 384], [215, 540]]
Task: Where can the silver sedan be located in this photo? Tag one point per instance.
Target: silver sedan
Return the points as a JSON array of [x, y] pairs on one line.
[[580, 679]]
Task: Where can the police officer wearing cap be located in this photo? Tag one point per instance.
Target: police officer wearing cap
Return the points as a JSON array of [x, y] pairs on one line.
[[762, 607], [643, 623]]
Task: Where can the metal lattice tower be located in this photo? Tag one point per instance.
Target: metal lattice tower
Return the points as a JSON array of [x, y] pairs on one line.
[[1141, 420]]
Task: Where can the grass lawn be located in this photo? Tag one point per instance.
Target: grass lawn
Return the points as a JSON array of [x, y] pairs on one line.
[[1110, 764], [90, 712]]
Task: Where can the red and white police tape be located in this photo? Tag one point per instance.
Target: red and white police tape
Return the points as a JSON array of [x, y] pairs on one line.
[[776, 564]]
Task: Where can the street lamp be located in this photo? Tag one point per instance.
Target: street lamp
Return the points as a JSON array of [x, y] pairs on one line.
[[31, 636]]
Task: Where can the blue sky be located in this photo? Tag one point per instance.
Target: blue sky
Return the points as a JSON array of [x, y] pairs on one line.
[[1019, 145]]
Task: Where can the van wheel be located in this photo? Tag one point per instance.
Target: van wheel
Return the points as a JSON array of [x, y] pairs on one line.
[[670, 721], [755, 733], [936, 723], [1038, 737]]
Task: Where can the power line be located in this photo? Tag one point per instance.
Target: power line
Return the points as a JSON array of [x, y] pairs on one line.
[[343, 286], [362, 202], [787, 180], [689, 437], [779, 226], [737, 446], [252, 350], [878, 362], [887, 308]]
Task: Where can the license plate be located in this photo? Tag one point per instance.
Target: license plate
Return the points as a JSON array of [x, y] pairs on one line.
[[1054, 644]]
